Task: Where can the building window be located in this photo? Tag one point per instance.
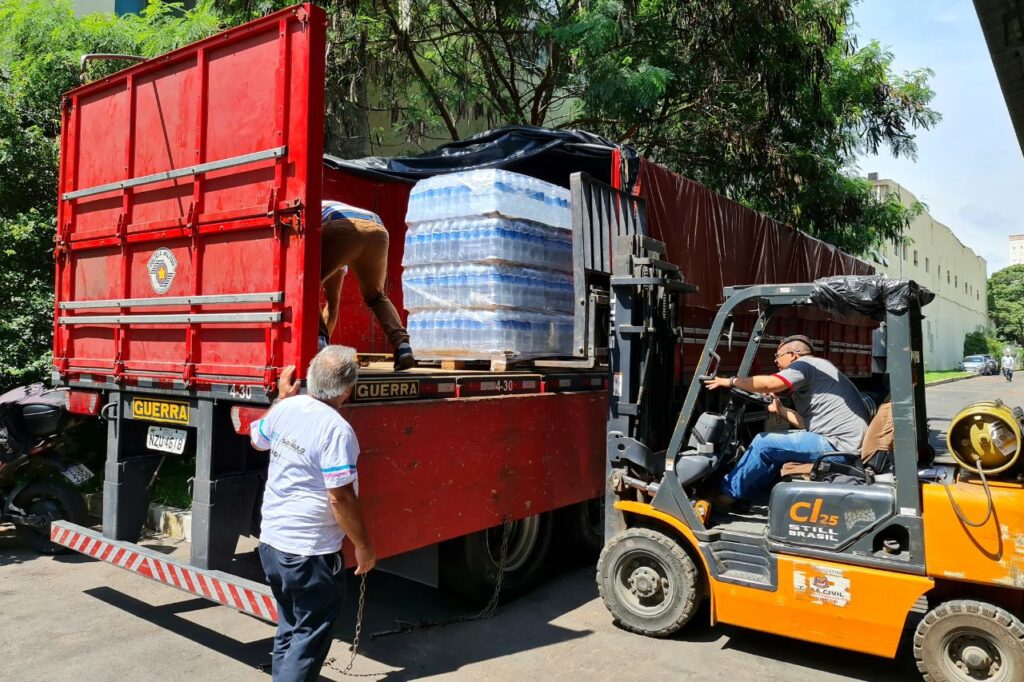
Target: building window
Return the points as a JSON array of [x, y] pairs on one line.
[[915, 256], [926, 263], [904, 252], [947, 277], [956, 281]]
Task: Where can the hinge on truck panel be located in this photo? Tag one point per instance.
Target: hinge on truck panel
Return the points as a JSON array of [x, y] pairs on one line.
[[118, 367], [188, 373], [122, 227], [192, 222]]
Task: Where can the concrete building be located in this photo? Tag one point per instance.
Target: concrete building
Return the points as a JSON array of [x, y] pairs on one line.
[[935, 258], [119, 7], [1017, 249]]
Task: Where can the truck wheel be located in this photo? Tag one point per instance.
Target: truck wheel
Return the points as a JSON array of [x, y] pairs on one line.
[[469, 565], [579, 529], [55, 502], [966, 641], [648, 582]]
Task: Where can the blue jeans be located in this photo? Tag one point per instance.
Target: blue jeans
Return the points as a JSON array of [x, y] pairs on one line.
[[760, 465], [308, 594]]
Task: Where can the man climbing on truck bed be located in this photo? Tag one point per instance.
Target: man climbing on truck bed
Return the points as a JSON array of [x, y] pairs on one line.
[[356, 238], [830, 416]]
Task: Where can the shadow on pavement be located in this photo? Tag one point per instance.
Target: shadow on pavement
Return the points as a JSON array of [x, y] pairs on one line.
[[517, 626], [168, 617]]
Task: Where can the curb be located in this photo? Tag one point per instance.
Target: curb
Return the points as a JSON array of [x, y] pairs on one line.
[[949, 381], [169, 521]]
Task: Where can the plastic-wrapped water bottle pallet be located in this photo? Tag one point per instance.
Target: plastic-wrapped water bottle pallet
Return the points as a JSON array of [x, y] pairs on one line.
[[496, 362]]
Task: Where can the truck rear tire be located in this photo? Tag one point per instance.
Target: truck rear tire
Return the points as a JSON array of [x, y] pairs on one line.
[[469, 565], [579, 529], [648, 582], [967, 640]]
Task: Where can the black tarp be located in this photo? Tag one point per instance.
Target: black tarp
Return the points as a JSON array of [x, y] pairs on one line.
[[549, 155], [873, 295]]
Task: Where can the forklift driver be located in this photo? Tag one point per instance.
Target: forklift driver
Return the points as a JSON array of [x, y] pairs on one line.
[[355, 238], [829, 416]]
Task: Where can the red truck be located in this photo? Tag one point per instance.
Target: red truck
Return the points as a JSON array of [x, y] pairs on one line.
[[187, 276]]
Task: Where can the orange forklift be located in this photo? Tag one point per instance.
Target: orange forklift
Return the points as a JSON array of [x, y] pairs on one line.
[[840, 558]]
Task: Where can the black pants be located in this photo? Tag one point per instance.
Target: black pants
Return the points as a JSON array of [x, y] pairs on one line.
[[308, 594]]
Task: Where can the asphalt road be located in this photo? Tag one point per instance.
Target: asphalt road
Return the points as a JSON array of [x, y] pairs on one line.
[[70, 617]]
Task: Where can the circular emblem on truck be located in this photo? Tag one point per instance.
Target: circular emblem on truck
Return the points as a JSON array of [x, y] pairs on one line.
[[162, 266]]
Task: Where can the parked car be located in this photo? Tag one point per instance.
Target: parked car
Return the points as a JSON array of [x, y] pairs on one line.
[[991, 366], [979, 364]]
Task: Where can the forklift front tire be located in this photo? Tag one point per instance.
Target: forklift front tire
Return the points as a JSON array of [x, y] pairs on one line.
[[967, 640], [648, 582]]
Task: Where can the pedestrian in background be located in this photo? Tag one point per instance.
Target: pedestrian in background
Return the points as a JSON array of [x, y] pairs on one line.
[[1007, 365], [309, 507]]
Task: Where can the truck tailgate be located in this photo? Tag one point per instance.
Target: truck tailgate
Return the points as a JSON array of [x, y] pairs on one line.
[[189, 211]]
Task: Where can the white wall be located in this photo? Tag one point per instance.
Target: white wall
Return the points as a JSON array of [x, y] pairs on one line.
[[956, 275], [1017, 249]]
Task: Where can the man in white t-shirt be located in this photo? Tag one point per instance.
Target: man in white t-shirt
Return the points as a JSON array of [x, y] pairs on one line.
[[309, 507], [1007, 365]]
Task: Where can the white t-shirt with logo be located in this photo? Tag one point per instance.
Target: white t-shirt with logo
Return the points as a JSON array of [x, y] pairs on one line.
[[312, 448]]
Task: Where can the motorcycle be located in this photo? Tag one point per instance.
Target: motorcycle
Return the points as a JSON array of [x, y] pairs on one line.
[[39, 481]]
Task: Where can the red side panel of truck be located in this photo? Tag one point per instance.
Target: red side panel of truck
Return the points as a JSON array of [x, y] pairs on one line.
[[188, 240], [514, 457]]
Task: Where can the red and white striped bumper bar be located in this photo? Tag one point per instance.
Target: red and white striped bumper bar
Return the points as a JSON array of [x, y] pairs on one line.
[[230, 590]]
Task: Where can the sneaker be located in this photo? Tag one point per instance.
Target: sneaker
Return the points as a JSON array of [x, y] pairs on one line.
[[404, 359]]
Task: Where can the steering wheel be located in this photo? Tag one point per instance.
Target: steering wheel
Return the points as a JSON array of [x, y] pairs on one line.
[[750, 397]]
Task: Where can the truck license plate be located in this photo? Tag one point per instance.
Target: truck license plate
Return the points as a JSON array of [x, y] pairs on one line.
[[166, 440], [76, 473]]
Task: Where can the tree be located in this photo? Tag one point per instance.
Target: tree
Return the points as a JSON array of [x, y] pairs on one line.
[[40, 48], [1006, 303], [766, 101], [976, 342]]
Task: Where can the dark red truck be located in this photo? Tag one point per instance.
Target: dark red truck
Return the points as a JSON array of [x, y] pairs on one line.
[[187, 276]]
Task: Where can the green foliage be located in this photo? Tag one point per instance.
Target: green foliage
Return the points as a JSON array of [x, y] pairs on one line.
[[766, 101], [975, 343], [1006, 303], [40, 48], [983, 342]]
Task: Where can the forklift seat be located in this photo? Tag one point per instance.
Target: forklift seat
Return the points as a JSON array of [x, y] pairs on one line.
[[692, 467]]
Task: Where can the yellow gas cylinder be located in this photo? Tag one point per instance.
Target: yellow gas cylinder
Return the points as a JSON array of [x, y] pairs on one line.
[[986, 434]]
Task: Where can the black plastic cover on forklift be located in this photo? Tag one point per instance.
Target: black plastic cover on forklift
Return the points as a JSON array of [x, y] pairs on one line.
[[871, 295]]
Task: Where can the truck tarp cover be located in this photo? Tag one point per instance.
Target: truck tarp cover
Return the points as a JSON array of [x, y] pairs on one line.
[[549, 155], [719, 243], [872, 296]]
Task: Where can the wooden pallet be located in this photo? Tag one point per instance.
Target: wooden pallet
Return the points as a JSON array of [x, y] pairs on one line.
[[494, 362]]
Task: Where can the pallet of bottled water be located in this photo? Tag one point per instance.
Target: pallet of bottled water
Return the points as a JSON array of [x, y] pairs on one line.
[[480, 334], [486, 286], [488, 192], [487, 267], [488, 239]]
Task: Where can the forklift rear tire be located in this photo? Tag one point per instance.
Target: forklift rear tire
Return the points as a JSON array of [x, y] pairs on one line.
[[648, 582], [967, 640]]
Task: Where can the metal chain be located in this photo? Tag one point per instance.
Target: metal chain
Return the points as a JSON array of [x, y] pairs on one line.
[[403, 628], [485, 613], [360, 610]]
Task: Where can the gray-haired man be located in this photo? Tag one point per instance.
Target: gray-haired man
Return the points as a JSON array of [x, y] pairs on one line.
[[309, 507]]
